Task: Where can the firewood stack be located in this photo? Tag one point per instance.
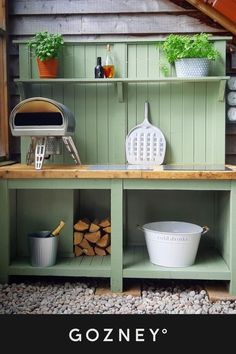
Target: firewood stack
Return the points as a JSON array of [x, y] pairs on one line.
[[92, 238]]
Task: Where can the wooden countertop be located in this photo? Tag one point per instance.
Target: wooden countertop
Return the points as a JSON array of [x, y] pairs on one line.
[[21, 171]]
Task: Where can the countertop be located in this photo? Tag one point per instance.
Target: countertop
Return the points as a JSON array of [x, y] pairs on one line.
[[21, 171]]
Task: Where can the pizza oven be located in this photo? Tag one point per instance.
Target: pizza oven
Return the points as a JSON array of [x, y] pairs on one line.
[[49, 124]]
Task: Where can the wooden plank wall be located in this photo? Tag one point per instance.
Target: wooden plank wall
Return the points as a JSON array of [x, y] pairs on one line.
[[106, 17], [95, 19]]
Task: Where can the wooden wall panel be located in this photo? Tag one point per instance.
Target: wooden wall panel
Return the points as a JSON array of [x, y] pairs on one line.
[[109, 24], [29, 7]]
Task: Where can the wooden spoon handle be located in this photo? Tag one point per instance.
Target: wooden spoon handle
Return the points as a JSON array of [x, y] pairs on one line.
[[57, 230]]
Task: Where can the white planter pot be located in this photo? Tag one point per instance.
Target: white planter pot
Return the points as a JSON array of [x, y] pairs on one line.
[[192, 67]]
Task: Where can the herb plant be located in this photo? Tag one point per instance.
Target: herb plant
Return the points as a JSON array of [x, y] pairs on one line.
[[186, 46], [46, 45]]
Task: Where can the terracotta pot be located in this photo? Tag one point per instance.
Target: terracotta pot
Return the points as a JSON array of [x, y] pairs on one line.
[[48, 68]]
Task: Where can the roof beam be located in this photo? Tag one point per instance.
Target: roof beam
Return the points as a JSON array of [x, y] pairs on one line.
[[214, 15]]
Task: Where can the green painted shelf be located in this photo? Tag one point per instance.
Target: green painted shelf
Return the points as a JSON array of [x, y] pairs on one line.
[[122, 80], [84, 266], [208, 265]]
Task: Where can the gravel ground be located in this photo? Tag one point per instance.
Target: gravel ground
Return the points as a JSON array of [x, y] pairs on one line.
[[78, 298]]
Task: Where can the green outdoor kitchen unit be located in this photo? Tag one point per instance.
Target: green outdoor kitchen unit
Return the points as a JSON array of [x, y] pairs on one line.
[[191, 114]]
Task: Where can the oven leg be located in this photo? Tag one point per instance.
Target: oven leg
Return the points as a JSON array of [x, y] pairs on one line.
[[31, 152], [40, 149], [68, 141]]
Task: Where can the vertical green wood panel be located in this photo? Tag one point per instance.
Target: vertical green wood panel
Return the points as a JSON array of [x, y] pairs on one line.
[[91, 123], [69, 101], [117, 127], [142, 71], [210, 123], [34, 68], [42, 211], [176, 132], [132, 88], [117, 235], [79, 61], [25, 62], [68, 61], [132, 60], [165, 117], [58, 95], [5, 231], [233, 237], [80, 116], [222, 219], [188, 123], [24, 147], [153, 61], [90, 57], [154, 104], [153, 90], [79, 105], [218, 66], [92, 204], [13, 217], [103, 122], [91, 107], [120, 59], [219, 132], [199, 123]]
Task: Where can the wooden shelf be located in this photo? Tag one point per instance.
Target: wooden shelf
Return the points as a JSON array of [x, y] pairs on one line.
[[121, 81], [208, 265], [84, 266]]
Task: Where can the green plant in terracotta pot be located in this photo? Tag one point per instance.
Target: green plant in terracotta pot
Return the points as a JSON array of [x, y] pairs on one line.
[[46, 47], [191, 54]]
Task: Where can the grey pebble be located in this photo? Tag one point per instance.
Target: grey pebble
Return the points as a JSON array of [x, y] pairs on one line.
[[79, 298]]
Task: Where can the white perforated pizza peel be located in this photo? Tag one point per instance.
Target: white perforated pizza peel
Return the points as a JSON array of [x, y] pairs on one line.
[[145, 144]]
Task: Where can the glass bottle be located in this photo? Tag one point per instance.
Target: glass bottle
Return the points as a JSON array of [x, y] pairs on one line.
[[98, 71], [109, 68]]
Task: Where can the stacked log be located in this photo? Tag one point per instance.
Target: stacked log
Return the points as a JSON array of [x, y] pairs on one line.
[[92, 238]]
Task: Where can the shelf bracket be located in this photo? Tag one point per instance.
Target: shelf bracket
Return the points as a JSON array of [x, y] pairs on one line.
[[120, 91], [221, 93], [22, 90]]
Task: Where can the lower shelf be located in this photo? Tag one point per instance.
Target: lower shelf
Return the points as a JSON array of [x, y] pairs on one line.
[[77, 266], [208, 265]]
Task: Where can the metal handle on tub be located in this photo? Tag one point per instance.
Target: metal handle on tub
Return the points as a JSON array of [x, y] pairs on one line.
[[140, 228], [205, 229]]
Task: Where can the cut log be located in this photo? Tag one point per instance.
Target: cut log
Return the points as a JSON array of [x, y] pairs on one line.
[[78, 251], [78, 237], [85, 244], [108, 249], [89, 251], [105, 223], [94, 226], [82, 225], [92, 236], [104, 241], [107, 229], [99, 251]]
